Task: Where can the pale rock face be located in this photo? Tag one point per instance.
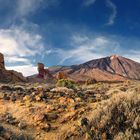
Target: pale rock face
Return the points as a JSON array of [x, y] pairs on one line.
[[113, 57]]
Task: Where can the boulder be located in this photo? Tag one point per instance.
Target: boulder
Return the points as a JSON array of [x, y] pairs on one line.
[[61, 75], [1, 129]]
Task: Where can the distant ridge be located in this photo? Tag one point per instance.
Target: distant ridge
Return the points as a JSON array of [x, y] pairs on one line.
[[111, 68]]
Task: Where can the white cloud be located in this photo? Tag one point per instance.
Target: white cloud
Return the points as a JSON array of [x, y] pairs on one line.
[[133, 54], [20, 47], [17, 44], [86, 48], [113, 15], [17, 59], [27, 70], [88, 2]]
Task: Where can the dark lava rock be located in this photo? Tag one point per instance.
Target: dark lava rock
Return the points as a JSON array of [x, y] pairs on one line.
[[1, 129], [19, 88], [13, 137], [6, 97], [9, 119], [6, 87], [51, 116], [13, 98], [22, 137], [84, 122]]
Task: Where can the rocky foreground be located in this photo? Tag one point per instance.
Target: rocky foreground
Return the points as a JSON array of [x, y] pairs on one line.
[[99, 111]]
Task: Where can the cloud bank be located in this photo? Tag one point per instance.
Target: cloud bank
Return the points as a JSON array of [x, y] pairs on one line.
[[20, 47], [27, 70], [85, 47]]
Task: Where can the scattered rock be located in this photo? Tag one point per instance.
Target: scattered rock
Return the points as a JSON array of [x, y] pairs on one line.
[[6, 87], [46, 127], [19, 88], [22, 137], [22, 125], [37, 98], [39, 117], [13, 98], [84, 121], [8, 136], [26, 98], [1, 129], [6, 97], [68, 117], [51, 116]]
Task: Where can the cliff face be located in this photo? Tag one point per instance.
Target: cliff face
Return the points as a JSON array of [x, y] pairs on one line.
[[9, 75]]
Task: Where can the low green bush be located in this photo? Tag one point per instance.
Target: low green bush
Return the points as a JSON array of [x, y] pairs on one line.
[[66, 83]]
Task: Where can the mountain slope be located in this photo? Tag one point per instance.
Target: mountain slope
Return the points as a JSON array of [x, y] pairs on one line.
[[113, 68]]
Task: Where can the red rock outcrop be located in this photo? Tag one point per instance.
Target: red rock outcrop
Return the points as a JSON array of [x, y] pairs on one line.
[[9, 75], [43, 73], [2, 61], [61, 75]]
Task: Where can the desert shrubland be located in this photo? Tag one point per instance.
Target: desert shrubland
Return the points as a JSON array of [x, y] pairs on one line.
[[117, 118], [99, 111]]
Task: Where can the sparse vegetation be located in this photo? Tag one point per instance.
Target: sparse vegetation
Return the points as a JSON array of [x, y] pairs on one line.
[[91, 112], [66, 83], [117, 118]]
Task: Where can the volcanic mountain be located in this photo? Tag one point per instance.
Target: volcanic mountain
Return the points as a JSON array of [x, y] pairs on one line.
[[112, 68]]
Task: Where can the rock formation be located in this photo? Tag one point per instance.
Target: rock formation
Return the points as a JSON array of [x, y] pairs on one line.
[[61, 75], [9, 75], [43, 73], [2, 61], [41, 70]]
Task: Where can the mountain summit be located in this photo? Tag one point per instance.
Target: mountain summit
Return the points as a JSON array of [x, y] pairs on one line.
[[112, 68]]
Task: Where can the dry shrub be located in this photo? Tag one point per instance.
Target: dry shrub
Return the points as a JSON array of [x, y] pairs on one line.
[[90, 81], [116, 118]]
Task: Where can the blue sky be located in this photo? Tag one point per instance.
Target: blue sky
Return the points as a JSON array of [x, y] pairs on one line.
[[66, 32]]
